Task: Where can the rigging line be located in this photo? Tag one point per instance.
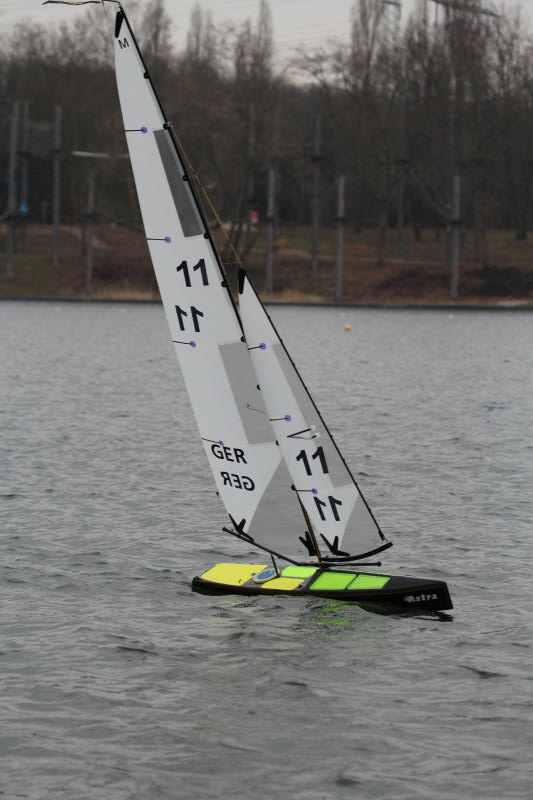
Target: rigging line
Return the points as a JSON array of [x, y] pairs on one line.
[[311, 531], [278, 573], [206, 196], [221, 510]]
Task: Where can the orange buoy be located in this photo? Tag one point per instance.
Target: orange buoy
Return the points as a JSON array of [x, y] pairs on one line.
[[347, 327]]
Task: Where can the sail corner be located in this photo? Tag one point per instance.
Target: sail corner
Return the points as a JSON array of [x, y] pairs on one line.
[[118, 22]]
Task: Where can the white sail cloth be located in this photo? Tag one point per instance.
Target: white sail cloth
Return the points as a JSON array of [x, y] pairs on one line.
[[251, 450], [250, 476], [342, 522]]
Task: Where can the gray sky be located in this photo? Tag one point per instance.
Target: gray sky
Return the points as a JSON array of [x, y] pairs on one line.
[[295, 22]]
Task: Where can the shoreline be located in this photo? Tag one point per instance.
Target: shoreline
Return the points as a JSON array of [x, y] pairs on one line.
[[122, 272], [504, 305]]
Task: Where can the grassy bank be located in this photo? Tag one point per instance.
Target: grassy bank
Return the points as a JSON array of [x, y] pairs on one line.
[[412, 274]]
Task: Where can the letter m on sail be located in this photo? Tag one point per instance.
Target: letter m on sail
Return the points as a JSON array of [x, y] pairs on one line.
[[124, 43]]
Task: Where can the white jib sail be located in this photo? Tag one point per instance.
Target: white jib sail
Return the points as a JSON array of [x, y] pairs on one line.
[[342, 522], [249, 473]]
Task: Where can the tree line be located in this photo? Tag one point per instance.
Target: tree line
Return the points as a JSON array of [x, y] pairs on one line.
[[430, 124]]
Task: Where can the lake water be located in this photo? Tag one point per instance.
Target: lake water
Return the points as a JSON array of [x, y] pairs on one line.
[[118, 682]]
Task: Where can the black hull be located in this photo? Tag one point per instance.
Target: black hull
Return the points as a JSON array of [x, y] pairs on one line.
[[403, 592]]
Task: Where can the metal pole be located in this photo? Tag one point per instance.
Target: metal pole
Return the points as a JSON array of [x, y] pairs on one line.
[[400, 221], [317, 156], [455, 235], [402, 167], [89, 235], [479, 233], [12, 188], [382, 226], [270, 216], [56, 191], [340, 236], [24, 159], [89, 215], [251, 182]]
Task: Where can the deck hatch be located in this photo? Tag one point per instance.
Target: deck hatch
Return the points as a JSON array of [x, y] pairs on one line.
[[333, 580], [369, 582]]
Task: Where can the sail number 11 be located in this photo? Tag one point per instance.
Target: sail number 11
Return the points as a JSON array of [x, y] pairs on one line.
[[194, 312], [333, 503], [184, 267], [195, 316], [318, 454]]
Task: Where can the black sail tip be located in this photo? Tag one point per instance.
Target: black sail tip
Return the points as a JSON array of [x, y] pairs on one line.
[[118, 22], [242, 278]]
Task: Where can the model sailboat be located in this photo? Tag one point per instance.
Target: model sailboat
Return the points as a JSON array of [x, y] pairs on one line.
[[284, 483]]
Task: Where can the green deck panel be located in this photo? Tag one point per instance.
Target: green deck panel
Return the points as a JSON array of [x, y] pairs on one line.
[[333, 580], [298, 572], [369, 582]]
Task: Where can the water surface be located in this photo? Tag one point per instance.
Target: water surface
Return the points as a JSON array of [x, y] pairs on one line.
[[117, 681]]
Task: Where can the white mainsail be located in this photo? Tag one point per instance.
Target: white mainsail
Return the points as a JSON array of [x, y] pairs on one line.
[[250, 476], [342, 522]]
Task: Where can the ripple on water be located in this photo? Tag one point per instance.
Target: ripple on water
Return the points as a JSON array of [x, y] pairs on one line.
[[117, 681]]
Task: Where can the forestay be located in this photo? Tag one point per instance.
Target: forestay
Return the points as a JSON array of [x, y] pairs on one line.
[[342, 522], [245, 460]]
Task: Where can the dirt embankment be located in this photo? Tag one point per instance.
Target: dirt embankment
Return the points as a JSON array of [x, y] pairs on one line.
[[122, 269]]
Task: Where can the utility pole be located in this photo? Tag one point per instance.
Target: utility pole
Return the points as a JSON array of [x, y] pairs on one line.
[[452, 9], [402, 166], [422, 12], [12, 204], [317, 157], [392, 18], [56, 184], [455, 235], [89, 216], [479, 232], [383, 207], [341, 219], [271, 220], [250, 189], [24, 164]]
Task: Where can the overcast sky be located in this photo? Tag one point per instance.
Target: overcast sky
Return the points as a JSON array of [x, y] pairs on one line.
[[295, 22]]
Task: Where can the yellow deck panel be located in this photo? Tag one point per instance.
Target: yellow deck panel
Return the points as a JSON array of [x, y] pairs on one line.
[[232, 574], [285, 584]]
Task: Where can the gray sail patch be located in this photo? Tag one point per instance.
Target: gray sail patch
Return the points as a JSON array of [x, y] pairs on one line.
[[188, 214], [360, 528], [247, 396], [278, 521]]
